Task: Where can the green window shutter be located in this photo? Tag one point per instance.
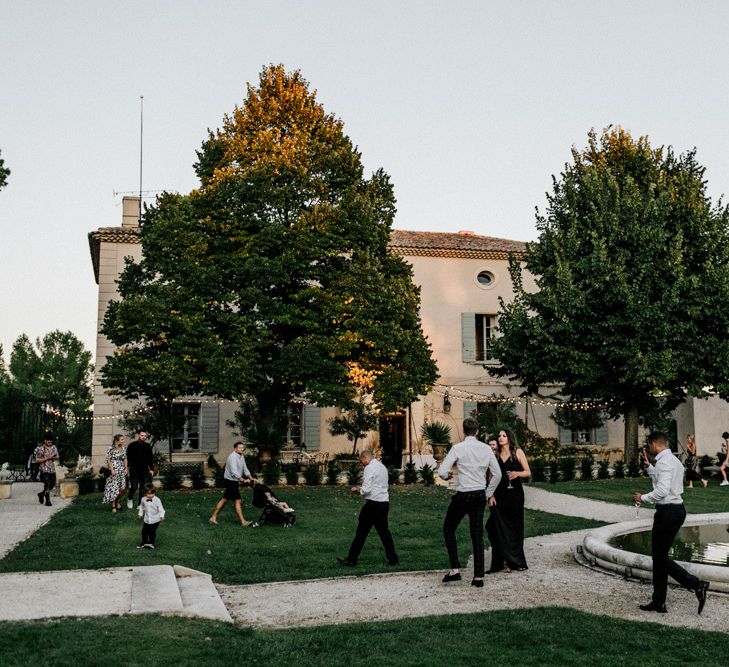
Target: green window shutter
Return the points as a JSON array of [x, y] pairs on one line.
[[468, 337], [469, 407], [565, 436], [312, 427], [601, 434], [209, 427]]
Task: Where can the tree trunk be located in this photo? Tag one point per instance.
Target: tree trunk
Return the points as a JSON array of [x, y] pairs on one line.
[[170, 430], [354, 447], [630, 451]]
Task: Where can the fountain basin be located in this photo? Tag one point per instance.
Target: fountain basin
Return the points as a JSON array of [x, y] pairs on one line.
[[598, 551]]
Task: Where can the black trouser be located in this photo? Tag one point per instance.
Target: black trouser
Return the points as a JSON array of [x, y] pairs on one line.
[[373, 514], [149, 532], [49, 482], [137, 479], [472, 503], [667, 521]]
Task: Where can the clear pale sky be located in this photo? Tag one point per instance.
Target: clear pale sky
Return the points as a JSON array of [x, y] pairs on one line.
[[471, 107]]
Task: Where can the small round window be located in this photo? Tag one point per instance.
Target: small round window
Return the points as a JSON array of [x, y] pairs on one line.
[[485, 278]]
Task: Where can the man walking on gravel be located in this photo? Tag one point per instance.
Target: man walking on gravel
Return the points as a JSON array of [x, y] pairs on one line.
[[667, 479]]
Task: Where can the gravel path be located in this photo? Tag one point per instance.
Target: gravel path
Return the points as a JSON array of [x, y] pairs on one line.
[[554, 579], [22, 515]]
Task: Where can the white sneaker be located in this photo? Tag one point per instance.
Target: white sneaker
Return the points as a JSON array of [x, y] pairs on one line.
[[724, 483], [130, 504]]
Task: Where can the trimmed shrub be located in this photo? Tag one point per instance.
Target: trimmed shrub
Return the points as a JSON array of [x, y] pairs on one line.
[[333, 470], [171, 479], [291, 470], [198, 479], [586, 468], [271, 472], [633, 469], [619, 470], [312, 475], [603, 469], [427, 474], [86, 482], [567, 468], [539, 470], [354, 474], [410, 473]]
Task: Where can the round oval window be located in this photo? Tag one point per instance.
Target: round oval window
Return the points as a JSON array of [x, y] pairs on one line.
[[485, 278]]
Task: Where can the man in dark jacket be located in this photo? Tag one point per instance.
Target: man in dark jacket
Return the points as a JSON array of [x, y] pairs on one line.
[[139, 458]]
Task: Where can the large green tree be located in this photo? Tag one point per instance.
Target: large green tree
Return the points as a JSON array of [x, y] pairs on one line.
[[57, 368], [56, 372], [632, 273], [274, 277]]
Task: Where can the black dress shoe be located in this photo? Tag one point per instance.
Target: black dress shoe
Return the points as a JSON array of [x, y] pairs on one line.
[[652, 606], [345, 561], [452, 577], [478, 583], [701, 594]]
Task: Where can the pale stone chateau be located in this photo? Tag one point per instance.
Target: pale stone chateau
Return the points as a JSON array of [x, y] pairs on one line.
[[461, 277]]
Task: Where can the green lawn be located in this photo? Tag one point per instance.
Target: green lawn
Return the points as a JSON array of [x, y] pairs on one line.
[[698, 500], [539, 637], [87, 535]]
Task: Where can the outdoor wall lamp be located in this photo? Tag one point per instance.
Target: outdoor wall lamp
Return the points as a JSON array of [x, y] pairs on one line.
[[446, 403]]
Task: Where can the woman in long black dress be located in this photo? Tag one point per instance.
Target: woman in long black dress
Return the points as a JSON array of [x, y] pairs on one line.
[[505, 526]]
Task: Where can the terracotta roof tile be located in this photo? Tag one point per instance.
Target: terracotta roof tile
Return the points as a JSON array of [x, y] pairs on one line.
[[450, 244], [430, 244]]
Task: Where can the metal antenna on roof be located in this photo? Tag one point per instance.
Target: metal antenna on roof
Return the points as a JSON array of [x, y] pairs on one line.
[[141, 146]]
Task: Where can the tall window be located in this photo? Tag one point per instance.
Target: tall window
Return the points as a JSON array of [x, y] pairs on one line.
[[484, 334], [294, 423], [186, 424]]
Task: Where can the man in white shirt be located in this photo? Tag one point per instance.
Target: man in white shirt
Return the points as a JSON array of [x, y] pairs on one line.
[[236, 471], [374, 513], [473, 459], [667, 479]]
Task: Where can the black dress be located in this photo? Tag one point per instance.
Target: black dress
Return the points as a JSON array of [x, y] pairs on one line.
[[505, 526]]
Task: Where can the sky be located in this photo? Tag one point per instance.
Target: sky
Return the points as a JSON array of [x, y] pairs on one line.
[[471, 107]]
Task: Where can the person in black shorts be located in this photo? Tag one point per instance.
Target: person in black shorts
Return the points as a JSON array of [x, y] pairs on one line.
[[236, 471]]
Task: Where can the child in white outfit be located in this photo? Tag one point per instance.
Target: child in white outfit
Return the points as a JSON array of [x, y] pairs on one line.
[[152, 513]]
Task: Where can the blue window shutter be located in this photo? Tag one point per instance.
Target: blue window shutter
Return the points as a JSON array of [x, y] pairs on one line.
[[469, 407], [565, 436], [468, 337], [312, 427], [209, 427]]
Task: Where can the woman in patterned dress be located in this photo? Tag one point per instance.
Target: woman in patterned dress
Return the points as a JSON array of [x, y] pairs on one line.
[[691, 473], [116, 483]]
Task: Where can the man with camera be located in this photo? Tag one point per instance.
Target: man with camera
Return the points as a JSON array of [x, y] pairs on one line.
[[667, 478]]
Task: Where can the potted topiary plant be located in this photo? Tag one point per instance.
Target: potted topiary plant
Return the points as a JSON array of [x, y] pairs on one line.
[[438, 436]]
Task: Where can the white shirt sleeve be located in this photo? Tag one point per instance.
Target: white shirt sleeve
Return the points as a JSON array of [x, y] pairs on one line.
[[495, 475], [367, 479], [447, 464]]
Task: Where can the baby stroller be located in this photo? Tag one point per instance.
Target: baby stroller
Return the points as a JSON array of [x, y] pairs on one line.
[[274, 511]]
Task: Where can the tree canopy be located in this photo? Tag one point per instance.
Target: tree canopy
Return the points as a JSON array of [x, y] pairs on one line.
[[46, 388], [57, 369], [4, 173], [632, 271], [274, 277]]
